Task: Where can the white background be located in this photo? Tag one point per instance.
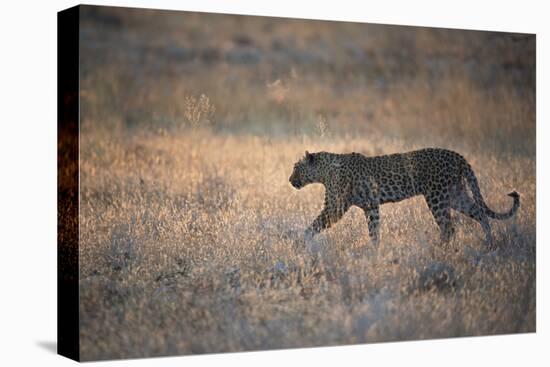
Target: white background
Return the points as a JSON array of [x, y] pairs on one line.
[[28, 181]]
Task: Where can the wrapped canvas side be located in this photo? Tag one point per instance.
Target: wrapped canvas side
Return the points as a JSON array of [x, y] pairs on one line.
[[67, 183]]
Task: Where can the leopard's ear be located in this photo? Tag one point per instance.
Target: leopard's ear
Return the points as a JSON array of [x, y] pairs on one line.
[[309, 157]]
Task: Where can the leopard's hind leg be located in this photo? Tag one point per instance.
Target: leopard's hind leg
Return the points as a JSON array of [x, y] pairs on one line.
[[440, 207], [463, 203]]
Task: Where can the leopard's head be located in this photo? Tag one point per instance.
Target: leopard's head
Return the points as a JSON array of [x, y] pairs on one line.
[[305, 171]]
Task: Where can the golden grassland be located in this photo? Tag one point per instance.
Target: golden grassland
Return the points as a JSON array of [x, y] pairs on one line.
[[189, 245], [190, 233]]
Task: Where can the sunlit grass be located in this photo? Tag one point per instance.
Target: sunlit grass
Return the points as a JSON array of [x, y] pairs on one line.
[[191, 243]]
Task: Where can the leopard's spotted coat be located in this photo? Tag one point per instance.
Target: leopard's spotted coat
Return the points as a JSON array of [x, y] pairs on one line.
[[441, 176]]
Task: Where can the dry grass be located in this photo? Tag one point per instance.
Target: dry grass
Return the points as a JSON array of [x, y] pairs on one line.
[[190, 231]]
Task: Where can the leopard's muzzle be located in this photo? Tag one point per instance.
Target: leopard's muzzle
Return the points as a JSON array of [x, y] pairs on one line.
[[296, 182]]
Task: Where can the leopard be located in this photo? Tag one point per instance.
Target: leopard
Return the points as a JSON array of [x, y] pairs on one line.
[[442, 176]]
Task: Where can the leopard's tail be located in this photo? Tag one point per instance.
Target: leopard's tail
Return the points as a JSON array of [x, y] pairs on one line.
[[474, 186]]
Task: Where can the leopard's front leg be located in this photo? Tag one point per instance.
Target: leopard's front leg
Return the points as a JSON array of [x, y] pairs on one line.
[[373, 218], [331, 213], [367, 197]]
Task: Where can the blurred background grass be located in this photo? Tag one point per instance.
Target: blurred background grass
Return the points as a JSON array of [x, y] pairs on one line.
[[190, 125], [278, 76]]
